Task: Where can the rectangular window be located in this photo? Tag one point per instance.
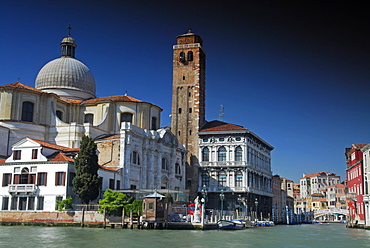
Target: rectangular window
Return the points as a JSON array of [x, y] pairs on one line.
[[17, 154], [150, 205], [17, 179], [31, 178], [111, 183], [89, 118], [31, 203], [7, 179], [41, 178], [118, 184], [5, 205], [22, 203], [13, 204], [40, 203], [132, 186], [60, 178], [34, 153]]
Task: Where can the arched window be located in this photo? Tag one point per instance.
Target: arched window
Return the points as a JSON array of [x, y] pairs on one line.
[[126, 117], [205, 179], [177, 169], [238, 154], [205, 154], [222, 178], [182, 57], [221, 154], [190, 56], [154, 123], [59, 114], [26, 178], [164, 164], [27, 111], [238, 179], [89, 118], [135, 158]]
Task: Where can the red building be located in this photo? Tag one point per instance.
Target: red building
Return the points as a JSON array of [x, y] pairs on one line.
[[354, 174]]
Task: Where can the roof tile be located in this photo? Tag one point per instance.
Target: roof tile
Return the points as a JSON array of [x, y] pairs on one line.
[[220, 126]]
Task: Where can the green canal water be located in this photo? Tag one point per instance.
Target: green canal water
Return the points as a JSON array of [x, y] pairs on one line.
[[315, 235]]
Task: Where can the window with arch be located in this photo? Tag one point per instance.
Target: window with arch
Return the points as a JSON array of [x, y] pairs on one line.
[[135, 158], [59, 114], [221, 154], [190, 56], [126, 117], [154, 123], [205, 154], [27, 111], [222, 178], [238, 179], [205, 179], [177, 169], [182, 56], [89, 118], [25, 177], [164, 164], [238, 154]]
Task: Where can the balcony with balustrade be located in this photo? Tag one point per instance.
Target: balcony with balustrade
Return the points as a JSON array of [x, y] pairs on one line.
[[22, 188]]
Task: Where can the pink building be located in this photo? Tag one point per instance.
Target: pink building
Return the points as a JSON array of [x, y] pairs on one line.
[[354, 173]]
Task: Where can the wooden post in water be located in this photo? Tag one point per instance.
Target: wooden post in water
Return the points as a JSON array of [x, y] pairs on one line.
[[105, 219], [131, 222], [123, 217], [83, 217]]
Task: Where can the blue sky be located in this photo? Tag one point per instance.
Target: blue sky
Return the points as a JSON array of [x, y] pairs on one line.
[[295, 73]]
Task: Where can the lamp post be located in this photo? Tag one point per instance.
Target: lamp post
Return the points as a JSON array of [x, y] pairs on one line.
[[204, 193], [222, 197], [256, 202], [239, 203]]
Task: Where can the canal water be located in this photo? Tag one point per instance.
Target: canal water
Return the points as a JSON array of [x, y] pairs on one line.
[[314, 235]]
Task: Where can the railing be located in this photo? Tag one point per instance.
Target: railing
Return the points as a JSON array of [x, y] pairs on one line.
[[87, 207], [183, 46], [22, 188], [222, 163]]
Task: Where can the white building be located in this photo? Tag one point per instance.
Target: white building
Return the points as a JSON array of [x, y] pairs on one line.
[[366, 173], [63, 107], [316, 183], [238, 162], [36, 175]]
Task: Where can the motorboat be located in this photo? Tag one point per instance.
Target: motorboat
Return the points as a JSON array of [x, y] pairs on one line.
[[235, 224]]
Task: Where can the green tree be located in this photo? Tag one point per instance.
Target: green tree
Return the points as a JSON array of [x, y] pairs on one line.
[[113, 202], [135, 207], [86, 183], [65, 204]]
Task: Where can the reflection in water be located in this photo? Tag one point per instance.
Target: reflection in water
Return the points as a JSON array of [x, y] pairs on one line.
[[329, 235]]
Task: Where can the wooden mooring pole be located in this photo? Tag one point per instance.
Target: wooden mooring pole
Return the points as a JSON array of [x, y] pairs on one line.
[[83, 217]]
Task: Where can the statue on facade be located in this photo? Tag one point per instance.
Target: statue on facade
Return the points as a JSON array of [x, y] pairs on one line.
[[197, 210]]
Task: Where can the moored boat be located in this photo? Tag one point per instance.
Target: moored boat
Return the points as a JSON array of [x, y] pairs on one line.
[[236, 224], [264, 223]]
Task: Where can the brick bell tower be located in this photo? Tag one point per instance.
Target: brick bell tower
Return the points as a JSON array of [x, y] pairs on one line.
[[188, 100]]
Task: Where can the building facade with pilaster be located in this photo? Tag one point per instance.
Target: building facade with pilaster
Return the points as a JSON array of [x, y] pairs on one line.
[[235, 162]]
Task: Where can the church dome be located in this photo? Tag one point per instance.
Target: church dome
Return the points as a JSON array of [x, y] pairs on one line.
[[66, 76]]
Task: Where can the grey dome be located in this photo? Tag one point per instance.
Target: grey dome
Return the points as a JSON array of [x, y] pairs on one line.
[[66, 76], [66, 73]]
